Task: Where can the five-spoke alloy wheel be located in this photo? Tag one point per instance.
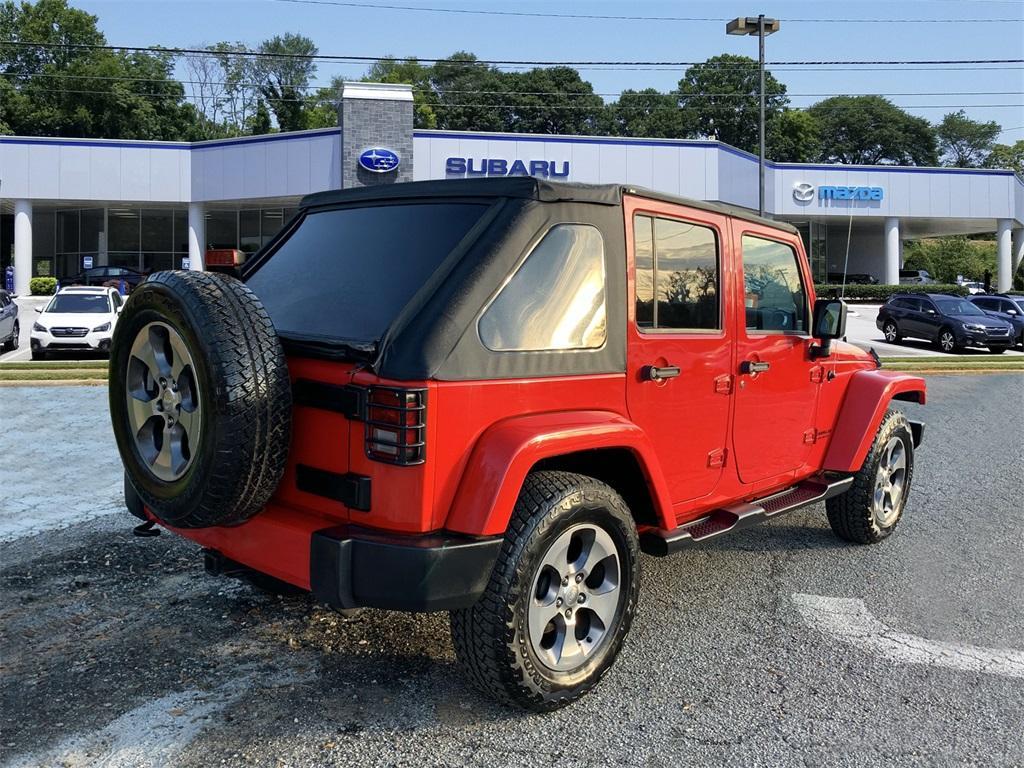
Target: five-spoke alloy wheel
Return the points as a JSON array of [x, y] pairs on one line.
[[163, 400], [561, 597]]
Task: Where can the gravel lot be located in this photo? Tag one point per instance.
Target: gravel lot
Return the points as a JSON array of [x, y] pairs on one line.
[[120, 651]]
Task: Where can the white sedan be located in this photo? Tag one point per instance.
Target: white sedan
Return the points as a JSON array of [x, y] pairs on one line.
[[77, 318]]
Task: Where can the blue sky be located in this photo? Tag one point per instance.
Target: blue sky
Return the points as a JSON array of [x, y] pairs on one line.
[[366, 31]]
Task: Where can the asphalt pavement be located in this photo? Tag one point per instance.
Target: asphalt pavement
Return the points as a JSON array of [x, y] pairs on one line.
[[121, 651]]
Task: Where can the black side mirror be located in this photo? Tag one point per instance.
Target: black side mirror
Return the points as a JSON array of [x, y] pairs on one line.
[[829, 323]]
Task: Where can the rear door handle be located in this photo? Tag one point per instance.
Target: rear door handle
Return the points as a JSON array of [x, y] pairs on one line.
[[653, 373], [749, 366]]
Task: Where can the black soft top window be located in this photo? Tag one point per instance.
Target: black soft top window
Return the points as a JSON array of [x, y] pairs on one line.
[[344, 274]]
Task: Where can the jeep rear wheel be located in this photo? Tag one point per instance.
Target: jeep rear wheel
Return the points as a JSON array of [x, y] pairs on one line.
[[870, 510], [200, 399], [561, 598]]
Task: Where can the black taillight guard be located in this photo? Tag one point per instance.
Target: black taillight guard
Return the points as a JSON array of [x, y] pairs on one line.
[[396, 441]]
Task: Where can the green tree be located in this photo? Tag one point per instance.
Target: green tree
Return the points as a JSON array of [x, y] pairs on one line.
[[552, 100], [647, 113], [947, 258], [1007, 156], [410, 71], [965, 143], [284, 73], [470, 96], [86, 92], [872, 130], [720, 99], [259, 122], [794, 136]]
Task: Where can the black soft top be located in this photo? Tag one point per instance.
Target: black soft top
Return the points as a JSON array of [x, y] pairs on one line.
[[525, 188]]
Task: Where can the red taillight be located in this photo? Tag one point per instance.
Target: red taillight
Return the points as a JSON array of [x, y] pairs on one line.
[[396, 424]]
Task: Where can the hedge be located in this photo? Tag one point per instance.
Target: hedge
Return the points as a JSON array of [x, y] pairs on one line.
[[883, 292], [42, 286]]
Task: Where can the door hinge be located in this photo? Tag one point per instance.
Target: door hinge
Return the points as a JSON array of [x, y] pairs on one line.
[[810, 436], [716, 458], [723, 384], [817, 374]]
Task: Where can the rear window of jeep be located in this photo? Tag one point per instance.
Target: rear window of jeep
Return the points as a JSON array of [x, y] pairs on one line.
[[344, 274]]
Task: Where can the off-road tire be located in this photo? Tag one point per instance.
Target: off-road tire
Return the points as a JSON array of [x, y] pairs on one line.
[[850, 514], [490, 639], [244, 394]]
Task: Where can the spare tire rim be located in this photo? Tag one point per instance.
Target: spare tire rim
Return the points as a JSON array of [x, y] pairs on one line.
[[575, 598], [164, 411]]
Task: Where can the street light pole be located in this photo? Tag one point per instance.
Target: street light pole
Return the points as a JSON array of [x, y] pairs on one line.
[[760, 156], [762, 27]]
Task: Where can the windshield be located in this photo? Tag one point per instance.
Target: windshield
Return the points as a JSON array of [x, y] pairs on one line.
[[957, 307], [80, 303], [345, 274]]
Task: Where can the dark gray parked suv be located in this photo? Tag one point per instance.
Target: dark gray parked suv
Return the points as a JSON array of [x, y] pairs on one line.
[[9, 326], [950, 322], [1009, 309]]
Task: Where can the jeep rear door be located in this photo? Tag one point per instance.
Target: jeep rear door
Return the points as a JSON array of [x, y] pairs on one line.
[[777, 387], [679, 348]]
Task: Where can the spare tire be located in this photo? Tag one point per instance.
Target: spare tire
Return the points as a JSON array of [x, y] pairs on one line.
[[200, 399]]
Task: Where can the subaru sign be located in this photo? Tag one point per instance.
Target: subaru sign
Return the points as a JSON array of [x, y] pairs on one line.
[[804, 193], [468, 166], [379, 160]]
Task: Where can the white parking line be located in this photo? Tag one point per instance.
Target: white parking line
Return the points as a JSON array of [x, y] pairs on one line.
[[852, 622]]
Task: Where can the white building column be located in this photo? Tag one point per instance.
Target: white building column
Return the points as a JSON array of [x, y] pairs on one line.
[[1016, 249], [1004, 276], [892, 251], [22, 246], [196, 235]]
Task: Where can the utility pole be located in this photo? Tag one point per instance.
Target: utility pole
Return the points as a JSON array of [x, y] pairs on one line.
[[762, 27]]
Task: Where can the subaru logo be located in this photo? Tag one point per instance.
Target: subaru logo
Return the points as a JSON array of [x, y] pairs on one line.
[[379, 160], [803, 192]]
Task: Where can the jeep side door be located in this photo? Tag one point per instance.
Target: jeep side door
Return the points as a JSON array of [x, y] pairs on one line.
[[777, 389], [679, 344]]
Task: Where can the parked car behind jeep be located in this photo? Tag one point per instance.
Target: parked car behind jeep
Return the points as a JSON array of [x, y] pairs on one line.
[[489, 396], [1009, 309], [950, 322]]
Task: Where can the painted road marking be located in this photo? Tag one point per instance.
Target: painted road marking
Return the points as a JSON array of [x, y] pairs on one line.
[[851, 621]]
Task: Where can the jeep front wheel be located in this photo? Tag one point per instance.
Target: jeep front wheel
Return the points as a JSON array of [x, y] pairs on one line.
[[561, 598], [870, 510]]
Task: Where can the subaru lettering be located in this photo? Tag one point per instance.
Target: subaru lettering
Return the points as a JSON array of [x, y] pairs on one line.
[[468, 166]]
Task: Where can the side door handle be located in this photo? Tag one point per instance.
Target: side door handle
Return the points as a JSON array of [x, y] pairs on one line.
[[749, 366], [653, 373]]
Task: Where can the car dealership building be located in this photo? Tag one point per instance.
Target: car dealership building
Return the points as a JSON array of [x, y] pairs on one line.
[[66, 204]]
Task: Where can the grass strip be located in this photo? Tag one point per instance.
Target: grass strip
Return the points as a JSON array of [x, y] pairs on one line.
[[55, 365], [71, 374]]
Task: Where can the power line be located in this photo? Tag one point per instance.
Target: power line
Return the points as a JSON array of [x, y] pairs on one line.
[[604, 17], [517, 62], [572, 94], [492, 105]]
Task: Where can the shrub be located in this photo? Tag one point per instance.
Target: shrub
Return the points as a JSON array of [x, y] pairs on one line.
[[42, 286], [882, 293]]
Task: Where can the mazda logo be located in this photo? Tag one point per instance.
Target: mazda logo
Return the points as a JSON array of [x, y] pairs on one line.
[[803, 192]]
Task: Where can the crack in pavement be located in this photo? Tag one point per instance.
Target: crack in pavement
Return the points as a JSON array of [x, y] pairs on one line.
[[851, 621]]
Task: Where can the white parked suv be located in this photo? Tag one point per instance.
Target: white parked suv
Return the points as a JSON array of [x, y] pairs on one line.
[[76, 318]]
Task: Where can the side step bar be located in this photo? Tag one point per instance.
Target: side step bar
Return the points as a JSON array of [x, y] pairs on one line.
[[739, 516]]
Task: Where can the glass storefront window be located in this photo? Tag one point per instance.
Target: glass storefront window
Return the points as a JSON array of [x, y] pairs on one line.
[[249, 231], [67, 231], [93, 233], [181, 231], [124, 230], [273, 220], [157, 230], [222, 229]]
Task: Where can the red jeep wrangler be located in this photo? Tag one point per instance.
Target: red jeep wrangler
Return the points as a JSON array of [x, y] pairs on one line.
[[489, 396]]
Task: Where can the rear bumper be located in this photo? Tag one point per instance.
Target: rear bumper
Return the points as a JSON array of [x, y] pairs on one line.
[[350, 568]]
